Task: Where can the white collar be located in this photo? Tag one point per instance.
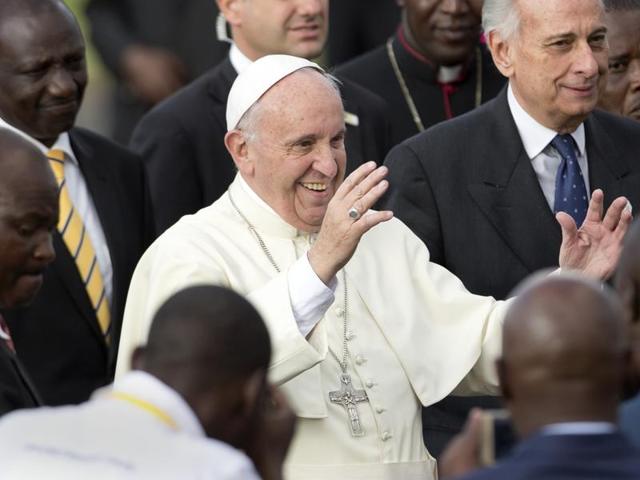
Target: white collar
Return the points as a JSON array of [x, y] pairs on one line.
[[238, 59], [449, 74], [535, 136], [578, 428], [62, 142], [254, 196], [147, 388]]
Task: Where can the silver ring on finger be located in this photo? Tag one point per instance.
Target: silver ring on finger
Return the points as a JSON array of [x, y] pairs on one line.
[[354, 213]]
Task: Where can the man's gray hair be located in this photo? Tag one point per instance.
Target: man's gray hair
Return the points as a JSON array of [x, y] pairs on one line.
[[248, 123], [621, 5], [503, 16]]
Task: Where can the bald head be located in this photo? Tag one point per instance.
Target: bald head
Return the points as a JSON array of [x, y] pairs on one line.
[[28, 214], [563, 353]]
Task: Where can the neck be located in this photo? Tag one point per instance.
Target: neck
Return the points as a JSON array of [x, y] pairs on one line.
[[528, 423]]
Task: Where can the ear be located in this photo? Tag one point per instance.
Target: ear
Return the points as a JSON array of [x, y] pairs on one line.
[[238, 148], [254, 392], [231, 10], [503, 377], [137, 358], [501, 52]]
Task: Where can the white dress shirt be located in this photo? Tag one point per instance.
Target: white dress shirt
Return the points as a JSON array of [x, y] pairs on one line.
[[545, 159], [82, 202], [579, 428]]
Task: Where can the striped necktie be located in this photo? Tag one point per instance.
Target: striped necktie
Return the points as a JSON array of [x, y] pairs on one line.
[[76, 238]]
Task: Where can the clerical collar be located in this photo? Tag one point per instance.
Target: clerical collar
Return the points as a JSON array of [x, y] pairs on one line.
[[578, 428], [62, 143], [535, 136], [424, 67], [238, 59], [254, 196]]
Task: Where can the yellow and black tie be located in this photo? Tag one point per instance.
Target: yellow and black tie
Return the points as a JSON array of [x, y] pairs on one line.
[[76, 238]]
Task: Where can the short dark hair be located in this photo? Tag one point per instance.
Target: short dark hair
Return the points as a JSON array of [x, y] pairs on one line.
[[209, 333], [621, 5]]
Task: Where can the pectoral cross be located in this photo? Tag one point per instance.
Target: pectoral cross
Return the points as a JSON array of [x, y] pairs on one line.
[[348, 398]]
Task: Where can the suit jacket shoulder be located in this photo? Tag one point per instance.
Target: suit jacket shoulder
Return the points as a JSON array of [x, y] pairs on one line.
[[182, 143]]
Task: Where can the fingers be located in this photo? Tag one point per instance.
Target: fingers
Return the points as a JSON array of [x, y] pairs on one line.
[[568, 226], [594, 212], [354, 180], [626, 218], [613, 216]]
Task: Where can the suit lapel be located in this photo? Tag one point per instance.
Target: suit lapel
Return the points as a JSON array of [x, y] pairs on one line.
[[222, 77], [65, 267], [507, 191], [106, 202], [22, 374], [607, 166]]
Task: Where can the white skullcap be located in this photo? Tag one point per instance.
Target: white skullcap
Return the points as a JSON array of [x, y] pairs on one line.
[[259, 77]]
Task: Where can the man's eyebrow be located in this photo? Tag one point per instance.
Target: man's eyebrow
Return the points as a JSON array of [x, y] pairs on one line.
[[295, 141]]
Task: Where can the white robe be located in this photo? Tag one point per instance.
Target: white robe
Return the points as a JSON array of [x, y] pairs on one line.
[[417, 333]]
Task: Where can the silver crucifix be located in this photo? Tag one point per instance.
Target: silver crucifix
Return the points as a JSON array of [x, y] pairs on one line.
[[348, 398]]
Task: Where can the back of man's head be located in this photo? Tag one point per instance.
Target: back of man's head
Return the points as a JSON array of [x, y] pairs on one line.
[[211, 346], [564, 351], [627, 284]]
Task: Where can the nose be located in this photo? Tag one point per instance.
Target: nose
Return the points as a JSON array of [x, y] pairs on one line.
[[61, 83], [586, 63], [326, 162], [311, 8], [43, 251], [634, 74], [454, 6]]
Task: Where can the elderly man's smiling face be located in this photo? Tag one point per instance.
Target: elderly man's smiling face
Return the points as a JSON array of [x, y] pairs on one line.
[[296, 158], [557, 61]]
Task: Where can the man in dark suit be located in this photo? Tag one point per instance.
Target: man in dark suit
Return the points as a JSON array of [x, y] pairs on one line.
[[480, 190], [627, 284], [68, 336], [182, 139], [152, 49], [434, 68], [561, 379], [28, 212]]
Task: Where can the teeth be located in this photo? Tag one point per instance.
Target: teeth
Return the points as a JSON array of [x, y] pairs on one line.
[[317, 187]]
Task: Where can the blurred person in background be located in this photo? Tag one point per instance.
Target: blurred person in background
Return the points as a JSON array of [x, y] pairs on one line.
[[152, 48], [621, 94]]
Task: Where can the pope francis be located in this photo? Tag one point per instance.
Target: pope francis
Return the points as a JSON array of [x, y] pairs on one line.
[[364, 328]]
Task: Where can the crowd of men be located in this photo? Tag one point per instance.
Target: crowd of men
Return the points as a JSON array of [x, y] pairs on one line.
[[300, 273]]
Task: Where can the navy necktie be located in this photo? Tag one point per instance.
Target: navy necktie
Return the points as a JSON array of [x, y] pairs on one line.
[[571, 192]]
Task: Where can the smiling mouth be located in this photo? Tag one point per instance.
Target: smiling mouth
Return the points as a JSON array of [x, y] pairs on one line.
[[315, 187]]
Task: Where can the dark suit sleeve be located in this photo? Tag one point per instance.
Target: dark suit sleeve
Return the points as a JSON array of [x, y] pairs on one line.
[[170, 161], [109, 30], [411, 199]]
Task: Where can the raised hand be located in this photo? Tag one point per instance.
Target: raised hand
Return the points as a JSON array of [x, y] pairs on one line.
[[595, 247], [348, 218]]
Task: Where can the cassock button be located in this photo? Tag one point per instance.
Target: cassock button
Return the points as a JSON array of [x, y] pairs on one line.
[[360, 359], [379, 409], [351, 336], [339, 311], [369, 383], [386, 436]]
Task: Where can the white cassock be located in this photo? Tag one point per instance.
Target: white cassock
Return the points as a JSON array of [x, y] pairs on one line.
[[414, 332]]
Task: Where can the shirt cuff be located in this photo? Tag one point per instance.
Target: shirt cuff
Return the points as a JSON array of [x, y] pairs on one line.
[[310, 297]]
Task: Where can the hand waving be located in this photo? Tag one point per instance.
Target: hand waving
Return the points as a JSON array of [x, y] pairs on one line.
[[595, 247]]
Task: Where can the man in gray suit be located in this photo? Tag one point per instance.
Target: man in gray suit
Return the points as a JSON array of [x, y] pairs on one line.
[[496, 178]]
